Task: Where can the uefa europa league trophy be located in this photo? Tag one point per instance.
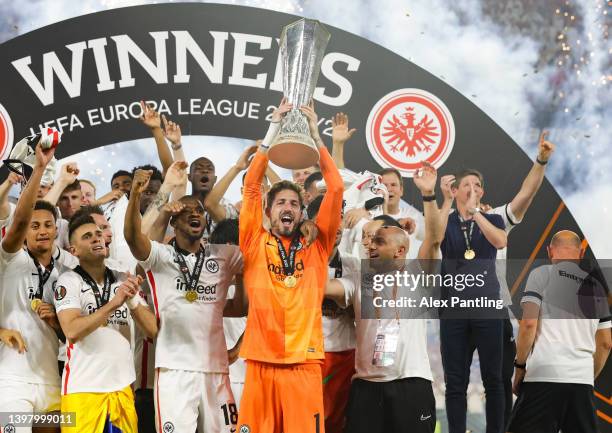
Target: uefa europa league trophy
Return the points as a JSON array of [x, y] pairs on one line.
[[302, 48]]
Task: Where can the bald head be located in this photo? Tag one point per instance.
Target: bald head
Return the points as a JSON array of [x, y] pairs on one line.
[[389, 243], [565, 245], [566, 237]]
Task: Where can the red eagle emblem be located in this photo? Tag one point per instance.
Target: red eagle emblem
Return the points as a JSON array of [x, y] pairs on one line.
[[412, 137]]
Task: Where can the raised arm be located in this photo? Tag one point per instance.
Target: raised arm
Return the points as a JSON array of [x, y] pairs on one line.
[[172, 131], [446, 183], [521, 202], [76, 326], [176, 177], [139, 244], [16, 233], [151, 119], [495, 235], [425, 181], [340, 135], [212, 204], [251, 213], [329, 217], [5, 187], [140, 311], [158, 230], [68, 174]]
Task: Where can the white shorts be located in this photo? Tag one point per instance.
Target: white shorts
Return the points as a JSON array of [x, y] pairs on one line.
[[237, 388], [185, 400], [18, 396]]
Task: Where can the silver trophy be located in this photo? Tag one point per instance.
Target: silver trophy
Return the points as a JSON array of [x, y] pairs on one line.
[[302, 48]]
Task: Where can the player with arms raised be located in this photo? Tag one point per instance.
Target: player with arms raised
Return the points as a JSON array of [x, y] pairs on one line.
[[285, 281]]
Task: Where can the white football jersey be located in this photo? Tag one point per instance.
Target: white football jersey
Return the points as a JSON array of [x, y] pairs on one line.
[[18, 285], [190, 334], [102, 361]]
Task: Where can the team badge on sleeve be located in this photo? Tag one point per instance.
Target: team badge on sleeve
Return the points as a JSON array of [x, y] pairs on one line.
[[212, 266], [60, 293]]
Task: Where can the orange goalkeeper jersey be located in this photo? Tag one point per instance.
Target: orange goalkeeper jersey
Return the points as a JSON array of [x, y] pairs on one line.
[[284, 324]]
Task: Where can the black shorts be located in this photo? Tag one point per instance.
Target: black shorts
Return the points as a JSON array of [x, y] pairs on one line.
[[403, 405], [547, 407]]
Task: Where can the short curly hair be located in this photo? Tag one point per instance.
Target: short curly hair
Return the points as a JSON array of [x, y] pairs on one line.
[[281, 186]]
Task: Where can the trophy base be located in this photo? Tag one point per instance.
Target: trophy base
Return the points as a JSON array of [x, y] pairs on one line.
[[294, 152]]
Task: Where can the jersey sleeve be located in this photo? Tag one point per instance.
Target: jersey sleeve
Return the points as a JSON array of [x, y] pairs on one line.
[[329, 217], [6, 258], [65, 259], [251, 213], [155, 256], [67, 292], [350, 285], [6, 222], [605, 323], [536, 283], [236, 263]]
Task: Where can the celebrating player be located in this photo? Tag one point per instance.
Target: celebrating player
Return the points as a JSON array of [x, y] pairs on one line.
[[29, 380], [285, 280], [189, 284], [92, 304]]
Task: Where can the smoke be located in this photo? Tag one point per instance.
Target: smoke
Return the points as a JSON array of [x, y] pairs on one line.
[[527, 64]]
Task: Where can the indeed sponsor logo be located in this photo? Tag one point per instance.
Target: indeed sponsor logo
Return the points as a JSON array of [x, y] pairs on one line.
[[201, 289]]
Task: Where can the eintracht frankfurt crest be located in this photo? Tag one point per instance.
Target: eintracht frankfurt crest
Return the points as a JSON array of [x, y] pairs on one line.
[[6, 133], [408, 126]]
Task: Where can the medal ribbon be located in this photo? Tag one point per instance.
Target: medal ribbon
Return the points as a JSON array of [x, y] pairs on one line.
[[288, 260], [467, 237], [43, 275], [190, 280], [109, 280]]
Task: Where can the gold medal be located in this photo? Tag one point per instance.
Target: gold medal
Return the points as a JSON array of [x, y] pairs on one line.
[[35, 303], [469, 254], [191, 295], [290, 281]]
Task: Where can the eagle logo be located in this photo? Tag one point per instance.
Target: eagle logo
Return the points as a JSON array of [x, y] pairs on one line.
[[410, 137], [408, 126]]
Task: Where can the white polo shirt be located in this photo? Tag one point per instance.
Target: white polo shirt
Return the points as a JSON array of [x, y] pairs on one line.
[[101, 361], [18, 285], [564, 347], [411, 359], [190, 334]]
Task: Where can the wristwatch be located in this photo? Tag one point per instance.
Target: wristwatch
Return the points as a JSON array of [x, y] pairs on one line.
[[521, 366], [474, 210]]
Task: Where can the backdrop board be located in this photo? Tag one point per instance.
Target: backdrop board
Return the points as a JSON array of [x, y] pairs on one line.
[[215, 70]]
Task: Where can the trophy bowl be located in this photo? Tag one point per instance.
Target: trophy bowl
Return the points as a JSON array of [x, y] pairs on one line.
[[302, 48]]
